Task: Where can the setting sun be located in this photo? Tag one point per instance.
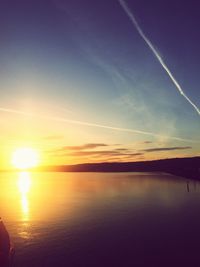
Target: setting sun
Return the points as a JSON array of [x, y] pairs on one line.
[[24, 158]]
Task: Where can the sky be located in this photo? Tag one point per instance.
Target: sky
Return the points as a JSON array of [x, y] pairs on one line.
[[100, 81]]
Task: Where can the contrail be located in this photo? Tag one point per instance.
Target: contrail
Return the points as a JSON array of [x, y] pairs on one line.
[[89, 124], [155, 52]]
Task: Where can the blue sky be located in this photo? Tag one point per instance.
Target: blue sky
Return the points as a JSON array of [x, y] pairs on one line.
[[85, 61]]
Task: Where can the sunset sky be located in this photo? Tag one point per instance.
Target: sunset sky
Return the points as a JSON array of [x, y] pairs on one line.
[[80, 84]]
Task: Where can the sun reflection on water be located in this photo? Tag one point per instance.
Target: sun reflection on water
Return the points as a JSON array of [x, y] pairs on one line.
[[24, 185], [35, 202]]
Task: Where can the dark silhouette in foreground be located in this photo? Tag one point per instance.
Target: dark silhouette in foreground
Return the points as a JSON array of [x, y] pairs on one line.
[[6, 248]]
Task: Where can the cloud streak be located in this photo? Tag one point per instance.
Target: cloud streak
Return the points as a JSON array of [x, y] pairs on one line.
[[157, 149], [84, 151], [84, 147], [89, 124], [156, 54], [88, 152]]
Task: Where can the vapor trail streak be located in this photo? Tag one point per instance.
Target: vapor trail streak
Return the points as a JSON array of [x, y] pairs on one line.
[[155, 52], [52, 118]]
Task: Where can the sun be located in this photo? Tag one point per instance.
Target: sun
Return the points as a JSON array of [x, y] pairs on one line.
[[25, 158]]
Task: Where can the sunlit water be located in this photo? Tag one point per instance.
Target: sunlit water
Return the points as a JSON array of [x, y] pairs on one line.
[[99, 219]]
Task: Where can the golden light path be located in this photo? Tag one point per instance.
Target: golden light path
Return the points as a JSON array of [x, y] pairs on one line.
[[23, 159], [24, 185]]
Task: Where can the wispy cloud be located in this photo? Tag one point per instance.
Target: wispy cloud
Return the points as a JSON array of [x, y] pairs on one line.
[[104, 155], [156, 54], [96, 125], [84, 147], [147, 142], [95, 152], [131, 100], [88, 150], [121, 149], [156, 149]]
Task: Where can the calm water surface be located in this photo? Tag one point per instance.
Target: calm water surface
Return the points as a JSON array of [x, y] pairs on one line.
[[99, 219]]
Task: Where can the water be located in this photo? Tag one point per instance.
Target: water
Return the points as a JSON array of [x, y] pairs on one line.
[[100, 219]]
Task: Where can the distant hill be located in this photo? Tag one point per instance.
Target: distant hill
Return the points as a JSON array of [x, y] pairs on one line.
[[185, 167]]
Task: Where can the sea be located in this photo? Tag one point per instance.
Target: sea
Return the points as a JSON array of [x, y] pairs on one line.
[[101, 219]]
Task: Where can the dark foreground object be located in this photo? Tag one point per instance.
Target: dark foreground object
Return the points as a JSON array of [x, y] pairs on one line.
[[6, 249]]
